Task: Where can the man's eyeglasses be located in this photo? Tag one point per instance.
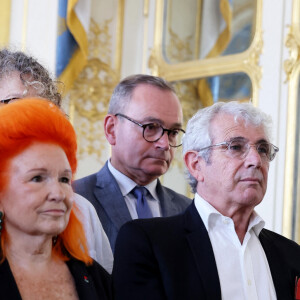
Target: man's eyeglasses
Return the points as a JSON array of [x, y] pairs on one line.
[[239, 148], [152, 132]]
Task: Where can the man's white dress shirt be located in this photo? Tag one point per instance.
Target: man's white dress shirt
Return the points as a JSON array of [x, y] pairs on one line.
[[243, 269]]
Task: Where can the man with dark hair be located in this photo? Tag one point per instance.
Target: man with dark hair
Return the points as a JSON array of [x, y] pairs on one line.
[[143, 127]]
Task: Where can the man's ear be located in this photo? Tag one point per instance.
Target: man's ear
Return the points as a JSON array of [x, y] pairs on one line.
[[110, 128], [193, 163]]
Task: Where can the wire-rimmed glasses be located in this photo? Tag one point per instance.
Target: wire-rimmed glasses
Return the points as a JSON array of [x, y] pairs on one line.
[[239, 148]]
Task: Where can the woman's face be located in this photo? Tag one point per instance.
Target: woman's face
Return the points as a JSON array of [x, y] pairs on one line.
[[38, 197], [11, 87]]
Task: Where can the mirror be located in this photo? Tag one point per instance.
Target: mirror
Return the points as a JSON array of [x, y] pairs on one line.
[[198, 93], [199, 29], [201, 92]]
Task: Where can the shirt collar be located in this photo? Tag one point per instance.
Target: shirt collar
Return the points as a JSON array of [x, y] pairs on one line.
[[256, 223], [207, 212], [126, 184]]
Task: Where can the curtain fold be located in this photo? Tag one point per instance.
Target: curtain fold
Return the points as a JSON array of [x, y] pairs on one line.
[[208, 89], [72, 40]]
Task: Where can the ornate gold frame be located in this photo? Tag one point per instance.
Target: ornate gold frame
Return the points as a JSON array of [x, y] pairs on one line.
[[292, 69], [5, 12], [246, 61]]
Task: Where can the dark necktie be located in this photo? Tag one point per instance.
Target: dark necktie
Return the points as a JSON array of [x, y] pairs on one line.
[[142, 207]]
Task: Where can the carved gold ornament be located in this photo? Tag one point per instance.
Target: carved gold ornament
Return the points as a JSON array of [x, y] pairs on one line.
[[89, 98], [293, 44]]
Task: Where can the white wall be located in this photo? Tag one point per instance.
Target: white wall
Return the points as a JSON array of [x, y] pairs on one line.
[[33, 29], [273, 99]]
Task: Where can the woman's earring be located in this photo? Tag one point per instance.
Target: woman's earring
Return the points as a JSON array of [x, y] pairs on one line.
[[54, 240]]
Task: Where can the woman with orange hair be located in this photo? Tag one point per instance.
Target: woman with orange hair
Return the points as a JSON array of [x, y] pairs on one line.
[[43, 246], [21, 76]]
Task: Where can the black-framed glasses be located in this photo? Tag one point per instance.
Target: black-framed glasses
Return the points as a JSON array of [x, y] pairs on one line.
[[6, 101], [239, 148], [152, 132]]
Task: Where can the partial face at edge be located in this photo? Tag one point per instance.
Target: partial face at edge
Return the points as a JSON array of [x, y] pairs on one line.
[[11, 86]]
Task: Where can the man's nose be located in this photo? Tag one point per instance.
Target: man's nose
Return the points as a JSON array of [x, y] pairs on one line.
[[252, 157], [56, 192], [163, 142]]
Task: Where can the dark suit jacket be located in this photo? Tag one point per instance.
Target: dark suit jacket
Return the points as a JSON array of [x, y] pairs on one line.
[[172, 258], [97, 287], [102, 190]]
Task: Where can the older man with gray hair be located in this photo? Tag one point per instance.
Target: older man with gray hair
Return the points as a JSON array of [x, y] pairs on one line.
[[218, 248]]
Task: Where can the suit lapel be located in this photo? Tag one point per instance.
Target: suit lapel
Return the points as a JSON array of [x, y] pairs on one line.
[[110, 197], [202, 251], [84, 283], [168, 207], [277, 266]]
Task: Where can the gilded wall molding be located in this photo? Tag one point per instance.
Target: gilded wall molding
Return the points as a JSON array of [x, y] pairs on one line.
[[251, 63], [90, 95], [293, 44], [5, 12], [292, 69], [91, 92]]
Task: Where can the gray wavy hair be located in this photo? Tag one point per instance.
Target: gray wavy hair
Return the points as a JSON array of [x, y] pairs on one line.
[[198, 134], [32, 74]]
